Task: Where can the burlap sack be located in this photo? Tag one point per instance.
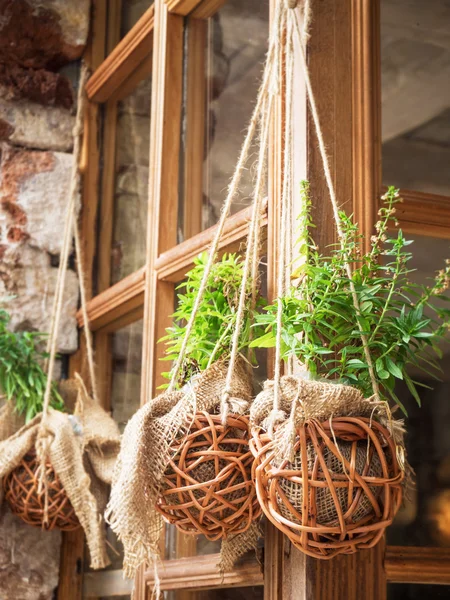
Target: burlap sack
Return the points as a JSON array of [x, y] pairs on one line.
[[316, 400], [10, 421], [69, 452], [145, 453]]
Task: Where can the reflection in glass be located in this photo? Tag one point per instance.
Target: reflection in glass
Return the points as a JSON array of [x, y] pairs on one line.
[[126, 372], [131, 182], [219, 103], [424, 520], [126, 350], [415, 52], [411, 591], [245, 593], [132, 11]]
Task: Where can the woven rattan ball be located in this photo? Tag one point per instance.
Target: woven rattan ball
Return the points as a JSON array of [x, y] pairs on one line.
[[21, 493], [341, 491], [207, 487]]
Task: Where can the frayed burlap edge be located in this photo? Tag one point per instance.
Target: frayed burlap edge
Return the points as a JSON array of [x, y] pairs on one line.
[[67, 453], [145, 454], [321, 400]]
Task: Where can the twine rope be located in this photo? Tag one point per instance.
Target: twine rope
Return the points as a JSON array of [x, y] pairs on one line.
[[302, 39], [70, 228], [67, 243], [261, 116], [286, 196]]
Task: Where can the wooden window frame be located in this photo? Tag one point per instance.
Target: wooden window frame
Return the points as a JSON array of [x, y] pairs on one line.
[[154, 45]]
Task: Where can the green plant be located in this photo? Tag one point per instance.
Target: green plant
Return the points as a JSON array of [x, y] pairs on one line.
[[213, 328], [22, 379], [320, 324]]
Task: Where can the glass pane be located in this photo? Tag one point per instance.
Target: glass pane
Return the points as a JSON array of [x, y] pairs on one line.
[[415, 47], [131, 182], [126, 350], [424, 520], [219, 101], [132, 11], [410, 591], [126, 372], [245, 593]]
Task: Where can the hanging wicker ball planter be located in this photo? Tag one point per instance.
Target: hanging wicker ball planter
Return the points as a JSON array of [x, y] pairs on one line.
[[340, 491], [25, 501], [207, 487]]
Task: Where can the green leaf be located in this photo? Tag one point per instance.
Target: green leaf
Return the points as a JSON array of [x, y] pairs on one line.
[[412, 389], [393, 368]]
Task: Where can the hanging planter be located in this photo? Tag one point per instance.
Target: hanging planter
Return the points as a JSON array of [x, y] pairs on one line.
[[332, 486], [330, 459], [187, 452], [207, 486], [55, 467], [24, 498]]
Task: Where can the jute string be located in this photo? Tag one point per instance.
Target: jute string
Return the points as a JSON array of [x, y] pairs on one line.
[[292, 27], [261, 118], [286, 199], [302, 40], [70, 229]]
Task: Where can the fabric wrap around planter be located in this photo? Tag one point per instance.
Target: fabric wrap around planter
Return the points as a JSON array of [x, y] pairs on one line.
[[82, 450], [146, 452], [330, 476]]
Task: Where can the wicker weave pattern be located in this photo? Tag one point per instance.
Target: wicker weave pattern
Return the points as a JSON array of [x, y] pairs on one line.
[[341, 492], [207, 485], [21, 493]]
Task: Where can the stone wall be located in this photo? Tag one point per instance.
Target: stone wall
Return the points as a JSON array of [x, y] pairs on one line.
[[39, 42]]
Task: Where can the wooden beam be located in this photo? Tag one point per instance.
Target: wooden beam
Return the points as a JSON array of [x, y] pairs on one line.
[[201, 572], [195, 125], [105, 235], [366, 118], [165, 130], [116, 301], [123, 60], [406, 564], [199, 9]]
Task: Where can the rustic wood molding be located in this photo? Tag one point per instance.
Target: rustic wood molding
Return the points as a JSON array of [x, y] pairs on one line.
[[405, 564], [421, 213], [200, 9], [201, 572], [173, 264], [134, 48], [115, 301]]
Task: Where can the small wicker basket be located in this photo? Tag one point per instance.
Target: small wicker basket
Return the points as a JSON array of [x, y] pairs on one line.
[[341, 491], [21, 493], [207, 487]]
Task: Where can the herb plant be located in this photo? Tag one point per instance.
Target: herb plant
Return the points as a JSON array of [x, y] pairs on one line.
[[212, 333], [320, 324], [22, 379]]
